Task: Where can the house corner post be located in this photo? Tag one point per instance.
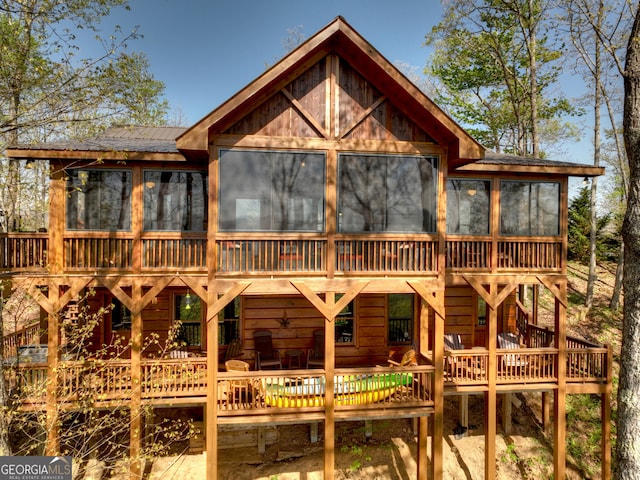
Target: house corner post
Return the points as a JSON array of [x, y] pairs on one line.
[[135, 434], [211, 408]]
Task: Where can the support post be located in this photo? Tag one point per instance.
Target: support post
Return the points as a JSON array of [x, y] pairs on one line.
[[437, 440], [559, 406], [490, 403], [329, 411], [135, 436], [53, 343]]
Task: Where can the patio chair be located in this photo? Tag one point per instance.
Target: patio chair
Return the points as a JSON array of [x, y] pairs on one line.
[[233, 352], [409, 358], [511, 341], [266, 355], [239, 388], [453, 364], [315, 356]]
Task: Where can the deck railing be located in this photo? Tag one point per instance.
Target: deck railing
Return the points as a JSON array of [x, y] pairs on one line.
[[103, 382], [529, 254], [23, 251], [282, 253], [468, 253], [386, 256], [25, 336], [88, 251]]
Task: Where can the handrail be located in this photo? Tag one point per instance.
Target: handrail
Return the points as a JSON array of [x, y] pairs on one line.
[[28, 334]]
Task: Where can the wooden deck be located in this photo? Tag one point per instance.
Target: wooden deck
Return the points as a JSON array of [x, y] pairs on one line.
[[184, 381], [311, 254]]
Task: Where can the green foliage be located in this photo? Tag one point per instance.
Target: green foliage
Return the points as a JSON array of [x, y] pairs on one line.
[[494, 58], [580, 229]]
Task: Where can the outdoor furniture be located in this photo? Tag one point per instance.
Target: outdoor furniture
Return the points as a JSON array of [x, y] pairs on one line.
[[240, 388], [315, 356], [266, 355], [409, 358], [511, 341], [294, 356]]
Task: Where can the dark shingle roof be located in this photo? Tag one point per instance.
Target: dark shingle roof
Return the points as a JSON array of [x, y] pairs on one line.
[[128, 139]]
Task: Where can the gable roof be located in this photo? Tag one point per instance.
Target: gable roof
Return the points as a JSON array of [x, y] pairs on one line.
[[340, 38]]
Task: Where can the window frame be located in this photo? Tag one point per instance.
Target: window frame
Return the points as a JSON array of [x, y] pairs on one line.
[[489, 190], [411, 323], [558, 225], [146, 185], [342, 209], [271, 204], [71, 192], [176, 301], [224, 318], [342, 316]]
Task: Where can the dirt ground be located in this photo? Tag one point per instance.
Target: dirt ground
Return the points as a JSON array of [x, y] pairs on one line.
[[389, 454]]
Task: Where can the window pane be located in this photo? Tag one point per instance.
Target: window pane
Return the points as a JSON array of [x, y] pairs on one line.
[[271, 191], [345, 324], [229, 322], [400, 318], [387, 193], [188, 312], [98, 200], [175, 201], [468, 206], [529, 208]]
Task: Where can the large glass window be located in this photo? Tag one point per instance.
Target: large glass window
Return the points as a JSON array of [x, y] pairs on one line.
[[98, 200], [400, 318], [175, 200], [271, 191], [529, 208], [387, 193], [468, 206]]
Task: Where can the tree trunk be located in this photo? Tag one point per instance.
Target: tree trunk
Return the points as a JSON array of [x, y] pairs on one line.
[[628, 422], [617, 288], [5, 449]]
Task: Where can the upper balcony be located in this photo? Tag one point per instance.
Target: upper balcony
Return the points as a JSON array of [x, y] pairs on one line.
[[282, 254]]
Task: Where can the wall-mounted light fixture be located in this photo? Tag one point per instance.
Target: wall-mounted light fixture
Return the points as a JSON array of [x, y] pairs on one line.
[[187, 301]]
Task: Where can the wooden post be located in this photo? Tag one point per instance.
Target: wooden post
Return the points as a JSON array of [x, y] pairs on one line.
[[506, 413], [546, 411], [559, 406], [423, 438], [135, 437], [211, 409], [437, 440], [53, 439], [605, 415], [329, 366], [490, 403]]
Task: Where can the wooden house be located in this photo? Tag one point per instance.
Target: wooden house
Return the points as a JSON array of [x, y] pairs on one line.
[[330, 195]]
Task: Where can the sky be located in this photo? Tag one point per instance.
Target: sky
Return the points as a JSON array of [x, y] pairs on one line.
[[206, 50]]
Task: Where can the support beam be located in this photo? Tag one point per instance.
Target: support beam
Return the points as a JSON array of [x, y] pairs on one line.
[[135, 436], [559, 406], [329, 367], [53, 343], [490, 398], [438, 392]]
